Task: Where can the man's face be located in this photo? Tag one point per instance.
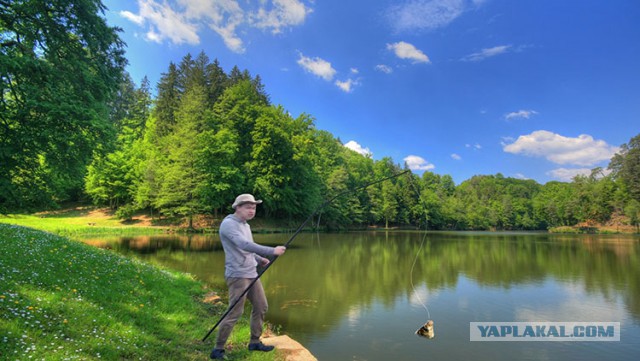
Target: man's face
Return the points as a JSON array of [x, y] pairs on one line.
[[246, 211]]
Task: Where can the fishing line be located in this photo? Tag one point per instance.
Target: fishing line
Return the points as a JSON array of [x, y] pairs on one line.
[[415, 291], [427, 330], [295, 234]]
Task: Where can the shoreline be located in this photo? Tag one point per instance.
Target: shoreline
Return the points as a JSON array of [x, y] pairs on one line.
[[99, 220], [69, 289]]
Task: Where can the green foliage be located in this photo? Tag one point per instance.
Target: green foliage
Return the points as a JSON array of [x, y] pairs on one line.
[[632, 210], [111, 178], [60, 64], [625, 167], [183, 176]]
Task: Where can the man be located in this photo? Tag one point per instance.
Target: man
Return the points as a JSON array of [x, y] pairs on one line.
[[242, 256]]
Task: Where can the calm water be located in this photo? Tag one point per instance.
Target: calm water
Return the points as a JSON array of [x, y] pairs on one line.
[[358, 296]]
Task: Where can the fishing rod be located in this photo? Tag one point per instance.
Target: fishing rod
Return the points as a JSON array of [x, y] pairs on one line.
[[295, 234]]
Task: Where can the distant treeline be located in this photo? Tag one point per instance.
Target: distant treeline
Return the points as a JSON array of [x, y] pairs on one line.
[[74, 125]]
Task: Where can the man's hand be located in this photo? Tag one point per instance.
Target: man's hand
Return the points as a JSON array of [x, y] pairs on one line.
[[279, 250]]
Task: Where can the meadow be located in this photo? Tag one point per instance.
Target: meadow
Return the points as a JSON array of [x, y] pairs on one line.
[[64, 300]]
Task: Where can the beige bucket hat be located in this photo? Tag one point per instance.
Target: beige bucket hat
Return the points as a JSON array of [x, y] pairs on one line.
[[245, 198]]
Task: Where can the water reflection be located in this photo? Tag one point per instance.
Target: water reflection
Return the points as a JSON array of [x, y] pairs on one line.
[[330, 285]]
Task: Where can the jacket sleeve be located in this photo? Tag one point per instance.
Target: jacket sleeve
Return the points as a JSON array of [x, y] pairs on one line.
[[238, 239]]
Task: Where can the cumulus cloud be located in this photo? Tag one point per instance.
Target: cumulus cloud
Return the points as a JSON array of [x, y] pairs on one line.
[[164, 23], [566, 174], [474, 146], [347, 85], [426, 14], [317, 66], [180, 22], [456, 156], [405, 50], [520, 114], [580, 151], [283, 13], [487, 53], [415, 162], [353, 145], [384, 68]]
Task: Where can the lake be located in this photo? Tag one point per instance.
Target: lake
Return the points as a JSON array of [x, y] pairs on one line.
[[362, 295]]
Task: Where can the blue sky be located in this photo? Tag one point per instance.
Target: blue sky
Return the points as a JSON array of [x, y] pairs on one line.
[[541, 90]]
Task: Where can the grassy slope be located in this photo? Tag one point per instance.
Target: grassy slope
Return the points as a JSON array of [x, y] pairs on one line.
[[93, 220], [61, 299]]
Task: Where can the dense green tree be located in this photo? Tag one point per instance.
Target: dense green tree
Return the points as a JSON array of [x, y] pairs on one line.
[[237, 109], [281, 175], [183, 185], [553, 204], [384, 195], [223, 178], [361, 172], [594, 197], [216, 80], [111, 178], [496, 202], [148, 170], [625, 166], [60, 64], [632, 210], [167, 101]]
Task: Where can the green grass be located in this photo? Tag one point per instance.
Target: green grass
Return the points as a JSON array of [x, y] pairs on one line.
[[74, 222], [80, 220], [64, 300]]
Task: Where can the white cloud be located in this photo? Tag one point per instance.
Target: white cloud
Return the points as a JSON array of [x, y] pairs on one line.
[[353, 145], [425, 14], [520, 176], [228, 35], [181, 21], [317, 66], [580, 151], [456, 156], [405, 50], [132, 17], [474, 146], [354, 71], [415, 162], [284, 13], [525, 114], [567, 175], [347, 85], [487, 53], [164, 23], [384, 68]]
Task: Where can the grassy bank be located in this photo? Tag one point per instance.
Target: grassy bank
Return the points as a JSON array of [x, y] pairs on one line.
[[82, 220], [63, 300], [89, 220]]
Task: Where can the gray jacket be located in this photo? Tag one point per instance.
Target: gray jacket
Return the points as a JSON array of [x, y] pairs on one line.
[[241, 253]]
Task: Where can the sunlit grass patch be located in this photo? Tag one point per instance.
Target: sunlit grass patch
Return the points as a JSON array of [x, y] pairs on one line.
[[63, 300], [72, 224]]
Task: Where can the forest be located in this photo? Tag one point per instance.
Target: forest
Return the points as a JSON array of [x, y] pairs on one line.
[[76, 128]]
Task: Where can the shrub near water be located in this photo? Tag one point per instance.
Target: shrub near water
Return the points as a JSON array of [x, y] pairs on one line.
[[63, 300]]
